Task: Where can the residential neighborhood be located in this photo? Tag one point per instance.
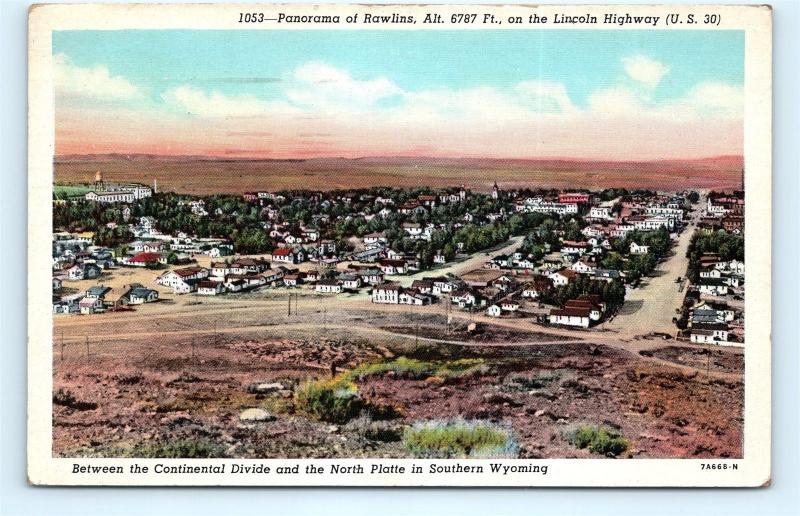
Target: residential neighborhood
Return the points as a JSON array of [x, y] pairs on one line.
[[569, 258]]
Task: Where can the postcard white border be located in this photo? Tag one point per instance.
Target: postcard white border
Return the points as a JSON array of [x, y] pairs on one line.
[[752, 470]]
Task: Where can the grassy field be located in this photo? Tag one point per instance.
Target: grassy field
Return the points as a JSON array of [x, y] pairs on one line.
[[204, 176], [69, 190]]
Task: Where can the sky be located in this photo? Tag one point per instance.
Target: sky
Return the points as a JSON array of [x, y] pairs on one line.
[[582, 94]]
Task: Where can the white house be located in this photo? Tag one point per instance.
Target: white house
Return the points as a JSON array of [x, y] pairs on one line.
[[177, 277], [494, 311], [600, 212], [138, 295], [578, 317], [509, 305], [210, 288], [220, 269], [572, 247], [288, 255], [412, 297], [413, 230], [391, 267], [562, 277], [387, 293], [328, 286], [709, 333], [639, 249], [350, 281], [375, 238], [90, 305], [713, 287], [441, 285], [464, 298], [581, 267]]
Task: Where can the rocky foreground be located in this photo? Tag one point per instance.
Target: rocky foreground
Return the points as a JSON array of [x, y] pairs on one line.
[[248, 399]]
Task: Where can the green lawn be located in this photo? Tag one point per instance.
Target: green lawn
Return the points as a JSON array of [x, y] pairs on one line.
[[62, 191]]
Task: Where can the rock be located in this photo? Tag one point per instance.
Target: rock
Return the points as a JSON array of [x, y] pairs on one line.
[[265, 388], [256, 415], [286, 393], [539, 413], [332, 429]]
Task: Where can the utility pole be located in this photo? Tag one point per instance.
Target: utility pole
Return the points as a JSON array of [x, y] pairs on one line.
[[86, 338], [290, 304], [62, 346]]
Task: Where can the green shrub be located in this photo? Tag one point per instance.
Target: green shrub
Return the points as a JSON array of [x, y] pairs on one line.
[[335, 401], [414, 369], [459, 439], [601, 440]]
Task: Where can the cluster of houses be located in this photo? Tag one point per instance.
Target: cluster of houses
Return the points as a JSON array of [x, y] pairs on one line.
[[713, 320], [612, 218], [718, 316], [724, 211], [506, 285], [304, 242], [100, 298]]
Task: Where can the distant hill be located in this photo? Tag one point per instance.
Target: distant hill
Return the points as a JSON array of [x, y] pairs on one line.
[[208, 175]]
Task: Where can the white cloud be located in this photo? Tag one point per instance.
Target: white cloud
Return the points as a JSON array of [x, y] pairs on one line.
[[546, 96], [645, 70], [716, 99], [215, 104], [94, 82], [706, 100], [318, 84], [530, 118], [616, 101]]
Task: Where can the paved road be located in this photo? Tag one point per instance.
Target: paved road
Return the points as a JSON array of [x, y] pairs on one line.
[[651, 307]]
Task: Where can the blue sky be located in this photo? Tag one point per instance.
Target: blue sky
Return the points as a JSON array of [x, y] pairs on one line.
[[356, 84], [580, 59]]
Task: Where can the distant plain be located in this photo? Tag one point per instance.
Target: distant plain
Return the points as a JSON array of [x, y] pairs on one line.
[[205, 176]]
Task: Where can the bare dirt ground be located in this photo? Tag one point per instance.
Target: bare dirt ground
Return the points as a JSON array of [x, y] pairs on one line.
[[206, 176], [651, 307], [180, 372]]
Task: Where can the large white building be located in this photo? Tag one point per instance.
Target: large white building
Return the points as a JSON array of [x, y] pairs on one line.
[[126, 192], [537, 205]]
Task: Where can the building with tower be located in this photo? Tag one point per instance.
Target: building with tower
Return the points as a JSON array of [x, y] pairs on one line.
[[111, 192]]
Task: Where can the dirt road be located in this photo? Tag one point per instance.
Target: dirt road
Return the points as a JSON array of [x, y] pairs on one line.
[[475, 261], [651, 307]]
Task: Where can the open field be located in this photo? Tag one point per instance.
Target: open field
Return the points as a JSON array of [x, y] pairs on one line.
[[201, 176], [179, 372]]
